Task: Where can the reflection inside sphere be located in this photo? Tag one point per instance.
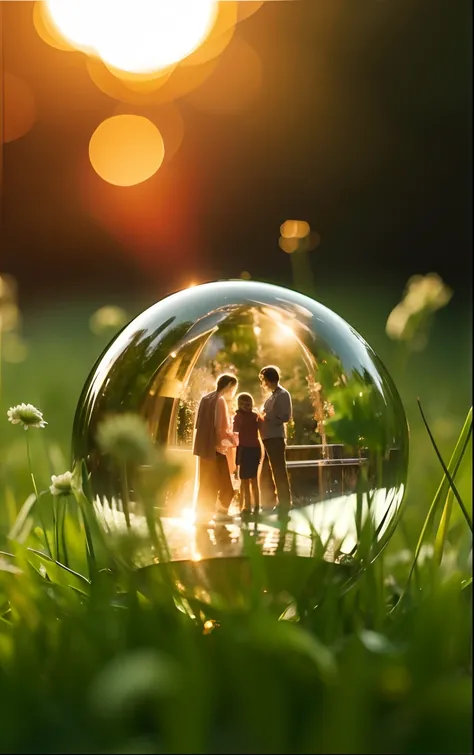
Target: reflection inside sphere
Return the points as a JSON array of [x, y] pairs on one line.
[[347, 443]]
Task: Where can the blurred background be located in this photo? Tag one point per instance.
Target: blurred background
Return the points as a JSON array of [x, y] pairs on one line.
[[354, 117]]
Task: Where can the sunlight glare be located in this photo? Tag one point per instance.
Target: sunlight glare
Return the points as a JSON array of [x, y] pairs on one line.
[[75, 20], [285, 330], [188, 518], [138, 36]]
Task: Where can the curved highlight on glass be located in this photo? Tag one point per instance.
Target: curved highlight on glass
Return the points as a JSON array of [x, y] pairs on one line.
[[347, 445]]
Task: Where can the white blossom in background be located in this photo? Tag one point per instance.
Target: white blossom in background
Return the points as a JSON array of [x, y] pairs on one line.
[[424, 295], [108, 318], [26, 415], [61, 484], [9, 312], [426, 292]]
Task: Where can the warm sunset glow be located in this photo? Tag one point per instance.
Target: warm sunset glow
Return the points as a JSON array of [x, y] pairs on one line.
[[20, 109], [234, 85], [138, 36], [126, 150], [248, 8], [47, 30]]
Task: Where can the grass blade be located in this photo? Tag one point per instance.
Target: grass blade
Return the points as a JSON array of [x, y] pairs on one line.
[[453, 465], [61, 574], [442, 532], [445, 469], [19, 524]]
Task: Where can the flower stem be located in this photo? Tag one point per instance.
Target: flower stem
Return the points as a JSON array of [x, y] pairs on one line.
[[48, 547], [63, 531], [29, 464], [56, 504]]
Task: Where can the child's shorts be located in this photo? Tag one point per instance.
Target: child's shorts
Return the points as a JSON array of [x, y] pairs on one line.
[[248, 459]]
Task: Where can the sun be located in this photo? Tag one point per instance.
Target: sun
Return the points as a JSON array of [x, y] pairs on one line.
[[137, 36]]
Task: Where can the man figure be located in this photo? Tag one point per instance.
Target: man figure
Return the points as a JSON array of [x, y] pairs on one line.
[[277, 411]]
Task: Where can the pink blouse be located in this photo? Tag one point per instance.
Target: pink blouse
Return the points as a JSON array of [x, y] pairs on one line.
[[225, 438]]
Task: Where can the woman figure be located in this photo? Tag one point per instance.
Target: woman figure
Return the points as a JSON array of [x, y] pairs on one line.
[[212, 442]]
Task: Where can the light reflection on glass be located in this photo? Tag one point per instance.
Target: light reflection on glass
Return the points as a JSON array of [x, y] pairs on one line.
[[348, 429]]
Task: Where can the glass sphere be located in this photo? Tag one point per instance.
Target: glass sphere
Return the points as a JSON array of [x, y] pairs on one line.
[[346, 444]]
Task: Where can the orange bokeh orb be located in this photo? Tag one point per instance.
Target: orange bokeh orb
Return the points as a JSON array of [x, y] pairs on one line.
[[295, 229], [235, 83], [126, 150], [19, 108], [248, 8], [289, 245], [167, 118], [47, 30]]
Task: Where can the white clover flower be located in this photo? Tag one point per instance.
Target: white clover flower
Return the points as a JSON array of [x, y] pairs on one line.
[[27, 415], [61, 484], [126, 438]]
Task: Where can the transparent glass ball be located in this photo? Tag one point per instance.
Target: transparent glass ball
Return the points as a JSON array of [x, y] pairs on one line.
[[346, 445]]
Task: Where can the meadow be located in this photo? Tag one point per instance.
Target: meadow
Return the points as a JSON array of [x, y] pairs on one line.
[[258, 654]]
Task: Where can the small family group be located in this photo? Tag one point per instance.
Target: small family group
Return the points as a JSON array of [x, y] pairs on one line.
[[219, 440]]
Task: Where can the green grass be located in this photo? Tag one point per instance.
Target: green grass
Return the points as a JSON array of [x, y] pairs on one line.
[[259, 654]]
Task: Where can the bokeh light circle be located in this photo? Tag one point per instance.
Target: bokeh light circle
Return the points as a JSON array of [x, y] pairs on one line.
[[248, 8], [234, 85], [47, 30], [125, 90], [126, 150], [219, 38], [349, 427], [295, 229], [167, 118], [171, 85], [138, 36], [289, 245], [19, 107]]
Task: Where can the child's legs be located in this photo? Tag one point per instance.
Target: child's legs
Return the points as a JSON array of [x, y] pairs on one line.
[[255, 493], [244, 494]]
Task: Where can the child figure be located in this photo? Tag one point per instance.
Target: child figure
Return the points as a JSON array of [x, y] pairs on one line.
[[249, 453]]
